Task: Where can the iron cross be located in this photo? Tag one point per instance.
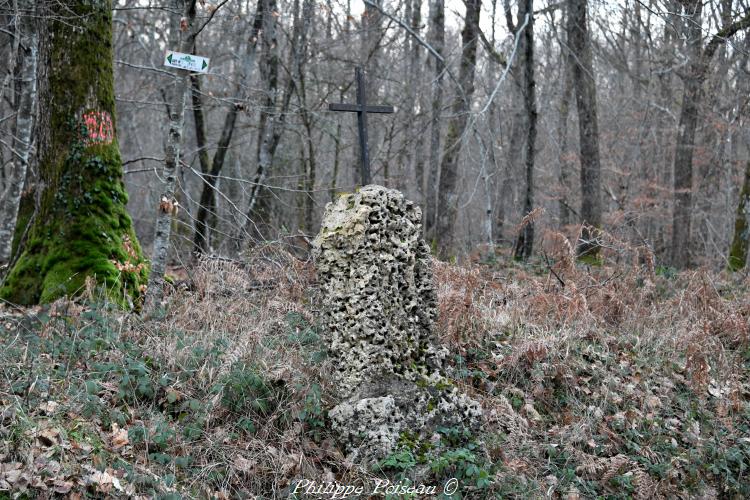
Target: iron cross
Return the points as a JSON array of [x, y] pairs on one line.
[[361, 108]]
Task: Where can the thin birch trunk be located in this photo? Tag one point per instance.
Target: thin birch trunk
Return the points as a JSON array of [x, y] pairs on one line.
[[167, 207], [11, 200]]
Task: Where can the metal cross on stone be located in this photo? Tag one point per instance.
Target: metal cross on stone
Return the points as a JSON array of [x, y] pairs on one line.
[[361, 108]]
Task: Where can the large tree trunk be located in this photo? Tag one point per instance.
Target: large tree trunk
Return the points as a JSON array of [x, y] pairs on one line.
[[447, 209], [683, 156], [11, 199], [437, 41], [741, 237], [588, 127], [82, 229], [167, 203], [525, 241]]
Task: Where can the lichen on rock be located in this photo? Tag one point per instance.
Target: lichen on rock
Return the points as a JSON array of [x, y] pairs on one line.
[[380, 307]]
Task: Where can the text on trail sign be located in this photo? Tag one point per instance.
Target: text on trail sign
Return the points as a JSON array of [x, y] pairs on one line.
[[361, 108], [187, 62]]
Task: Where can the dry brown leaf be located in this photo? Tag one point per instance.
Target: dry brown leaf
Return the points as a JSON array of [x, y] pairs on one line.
[[244, 465], [103, 481], [48, 437], [62, 487], [11, 472], [48, 407], [119, 437]]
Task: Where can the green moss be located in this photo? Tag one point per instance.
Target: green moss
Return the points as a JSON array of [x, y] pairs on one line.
[[591, 259], [415, 444], [444, 384], [82, 228]]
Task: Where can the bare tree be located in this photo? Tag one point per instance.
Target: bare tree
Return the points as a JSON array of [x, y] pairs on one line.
[[588, 126], [272, 117], [447, 208], [437, 41], [211, 169], [167, 203], [22, 139], [700, 58], [525, 241]]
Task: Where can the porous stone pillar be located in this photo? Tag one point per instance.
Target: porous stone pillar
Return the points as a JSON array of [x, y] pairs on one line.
[[379, 311]]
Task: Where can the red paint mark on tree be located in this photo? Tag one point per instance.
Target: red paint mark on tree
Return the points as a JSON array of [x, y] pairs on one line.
[[99, 129]]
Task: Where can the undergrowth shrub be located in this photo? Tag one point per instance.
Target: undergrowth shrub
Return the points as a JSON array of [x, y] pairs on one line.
[[607, 381]]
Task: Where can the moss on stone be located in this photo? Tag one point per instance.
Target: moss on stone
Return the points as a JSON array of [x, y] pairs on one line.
[[82, 227], [591, 259], [418, 446]]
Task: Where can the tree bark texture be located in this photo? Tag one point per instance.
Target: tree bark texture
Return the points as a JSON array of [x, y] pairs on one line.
[[81, 229], [167, 204], [11, 200], [741, 237], [525, 242], [588, 127], [437, 41]]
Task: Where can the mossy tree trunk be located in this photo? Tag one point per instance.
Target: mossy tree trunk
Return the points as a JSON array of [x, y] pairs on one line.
[[81, 227], [741, 238]]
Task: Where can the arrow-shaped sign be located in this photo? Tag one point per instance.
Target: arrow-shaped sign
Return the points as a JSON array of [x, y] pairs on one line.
[[187, 62]]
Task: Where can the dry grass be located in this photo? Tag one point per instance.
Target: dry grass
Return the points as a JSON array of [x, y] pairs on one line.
[[621, 381]]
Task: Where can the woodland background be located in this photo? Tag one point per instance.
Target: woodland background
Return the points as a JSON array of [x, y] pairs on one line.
[[258, 126]]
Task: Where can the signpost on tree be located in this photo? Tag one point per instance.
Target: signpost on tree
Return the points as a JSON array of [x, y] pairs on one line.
[[361, 108], [189, 62]]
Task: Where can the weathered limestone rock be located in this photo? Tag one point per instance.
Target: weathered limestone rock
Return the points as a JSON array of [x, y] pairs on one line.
[[380, 307]]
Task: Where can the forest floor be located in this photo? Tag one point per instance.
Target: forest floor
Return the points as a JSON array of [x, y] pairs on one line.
[[617, 381]]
